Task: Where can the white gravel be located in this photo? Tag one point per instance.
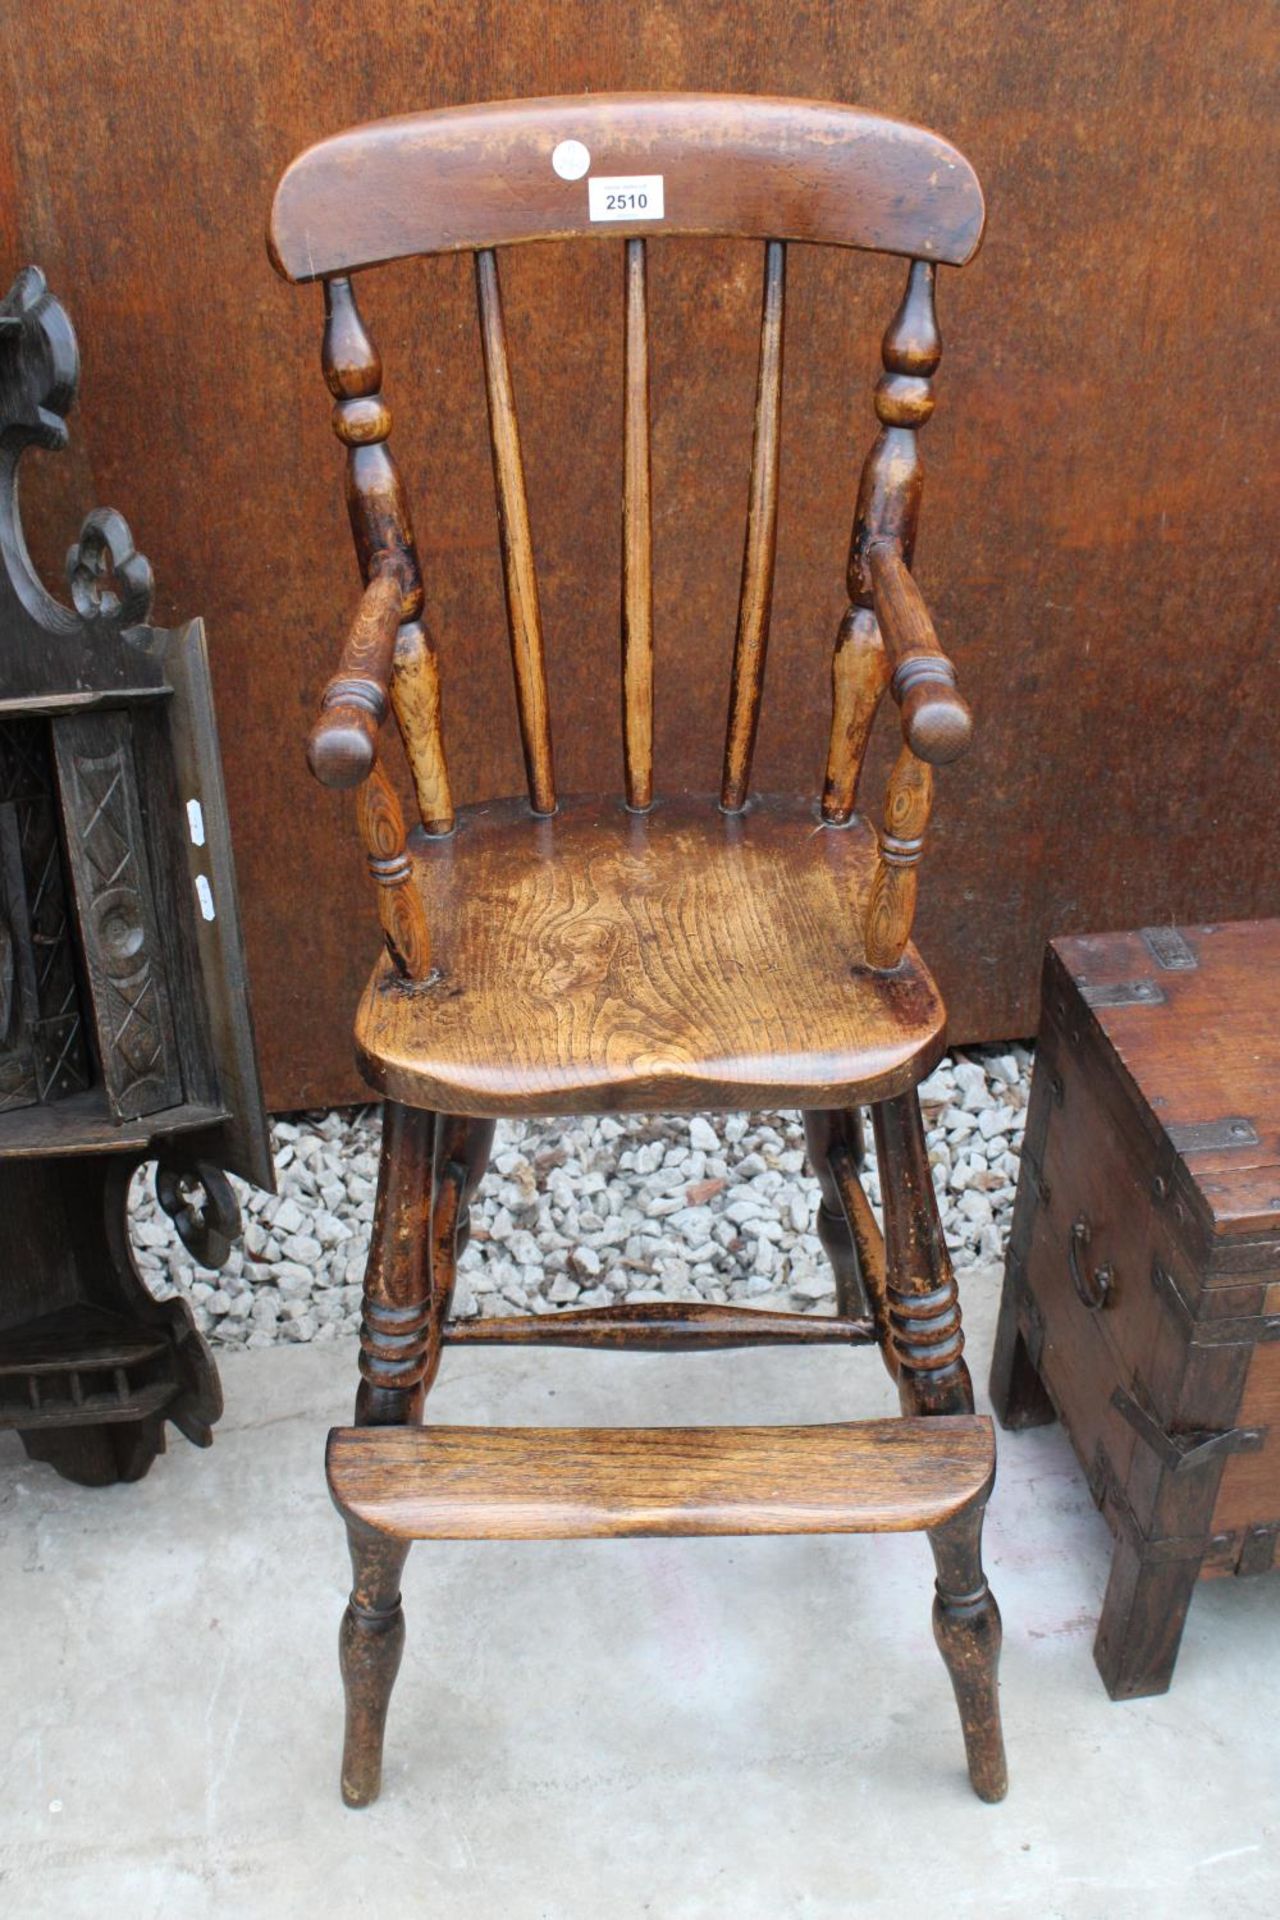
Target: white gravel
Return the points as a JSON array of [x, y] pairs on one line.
[[588, 1212]]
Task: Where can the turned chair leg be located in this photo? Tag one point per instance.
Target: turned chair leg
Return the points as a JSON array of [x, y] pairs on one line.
[[370, 1643], [397, 1308], [923, 1303], [826, 1129], [847, 1226], [925, 1329], [966, 1626], [394, 1357], [431, 1166], [466, 1144]]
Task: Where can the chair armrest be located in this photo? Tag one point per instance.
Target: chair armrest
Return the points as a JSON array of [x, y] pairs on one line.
[[936, 722], [344, 740]]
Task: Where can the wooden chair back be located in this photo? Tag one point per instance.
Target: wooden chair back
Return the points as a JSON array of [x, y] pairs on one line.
[[631, 167]]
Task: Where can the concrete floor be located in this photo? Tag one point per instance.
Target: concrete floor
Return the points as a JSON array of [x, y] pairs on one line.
[[626, 1728]]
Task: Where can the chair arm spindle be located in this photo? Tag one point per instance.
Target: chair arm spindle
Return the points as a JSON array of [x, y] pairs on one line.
[[400, 908], [344, 740], [936, 722]]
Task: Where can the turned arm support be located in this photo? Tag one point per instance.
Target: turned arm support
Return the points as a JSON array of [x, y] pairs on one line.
[[936, 721], [343, 745]]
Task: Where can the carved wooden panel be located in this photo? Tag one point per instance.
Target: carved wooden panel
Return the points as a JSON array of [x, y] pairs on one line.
[[34, 909], [17, 973], [124, 952]]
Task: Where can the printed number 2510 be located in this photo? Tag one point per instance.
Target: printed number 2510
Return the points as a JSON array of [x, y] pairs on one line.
[[637, 197]]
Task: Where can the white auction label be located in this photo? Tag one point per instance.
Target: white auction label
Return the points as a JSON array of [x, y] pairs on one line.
[[631, 196], [571, 159]]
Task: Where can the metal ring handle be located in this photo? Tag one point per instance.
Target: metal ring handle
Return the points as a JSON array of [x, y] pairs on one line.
[[207, 1221], [1094, 1289]]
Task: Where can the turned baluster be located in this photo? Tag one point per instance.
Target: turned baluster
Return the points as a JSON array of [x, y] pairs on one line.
[[887, 638], [383, 534], [891, 903], [888, 509], [893, 475], [967, 1628], [343, 751], [400, 908], [921, 1300]]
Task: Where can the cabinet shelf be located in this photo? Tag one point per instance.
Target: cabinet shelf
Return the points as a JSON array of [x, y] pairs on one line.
[[82, 1366]]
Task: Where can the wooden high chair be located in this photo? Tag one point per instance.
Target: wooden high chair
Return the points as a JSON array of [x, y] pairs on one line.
[[603, 954]]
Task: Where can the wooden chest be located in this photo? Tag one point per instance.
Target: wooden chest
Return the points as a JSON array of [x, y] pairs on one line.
[[1142, 1291]]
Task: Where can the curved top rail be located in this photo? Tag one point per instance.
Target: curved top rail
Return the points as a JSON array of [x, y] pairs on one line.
[[731, 164]]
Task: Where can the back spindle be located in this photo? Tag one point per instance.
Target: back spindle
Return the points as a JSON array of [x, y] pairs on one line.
[[384, 540], [524, 616], [637, 542], [755, 600]]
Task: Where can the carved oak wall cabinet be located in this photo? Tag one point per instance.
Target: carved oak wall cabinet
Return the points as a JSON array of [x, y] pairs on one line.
[[125, 1032], [1142, 1288], [591, 953]]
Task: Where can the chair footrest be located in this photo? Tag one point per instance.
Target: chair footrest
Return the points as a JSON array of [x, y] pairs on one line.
[[566, 1483]]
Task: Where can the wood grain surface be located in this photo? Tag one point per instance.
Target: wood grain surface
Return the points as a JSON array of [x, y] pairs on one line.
[[1102, 520], [524, 616], [1249, 1491], [637, 541], [344, 740], [483, 175], [1206, 1052], [676, 1327], [682, 958], [584, 1483]]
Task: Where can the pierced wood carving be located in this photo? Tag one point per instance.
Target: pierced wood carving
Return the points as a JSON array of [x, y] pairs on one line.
[[105, 573], [17, 973], [110, 580], [36, 917], [137, 1045]]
